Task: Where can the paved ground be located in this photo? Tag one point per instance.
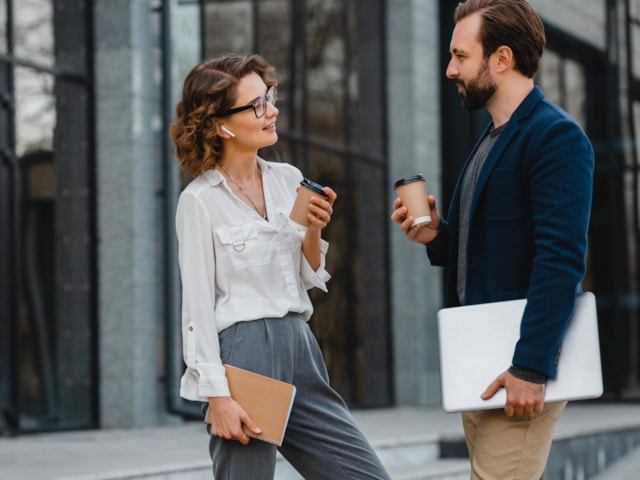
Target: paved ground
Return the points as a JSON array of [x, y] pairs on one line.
[[87, 453]]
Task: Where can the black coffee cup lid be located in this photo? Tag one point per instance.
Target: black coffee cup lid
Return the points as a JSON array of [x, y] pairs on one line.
[[411, 179], [313, 186]]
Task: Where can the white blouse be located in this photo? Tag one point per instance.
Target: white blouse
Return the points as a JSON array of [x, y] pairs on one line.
[[236, 266]]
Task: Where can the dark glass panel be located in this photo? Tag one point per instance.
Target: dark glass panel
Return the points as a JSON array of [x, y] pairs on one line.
[[333, 321], [326, 75], [48, 380], [228, 27], [36, 325], [274, 36], [3, 26], [34, 39], [34, 110]]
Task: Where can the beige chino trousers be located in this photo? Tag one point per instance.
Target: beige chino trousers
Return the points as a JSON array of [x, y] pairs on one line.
[[509, 448]]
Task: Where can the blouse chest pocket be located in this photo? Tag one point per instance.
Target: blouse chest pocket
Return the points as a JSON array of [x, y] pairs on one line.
[[246, 245]]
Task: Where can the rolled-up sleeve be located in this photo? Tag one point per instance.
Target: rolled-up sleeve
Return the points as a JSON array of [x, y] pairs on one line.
[[315, 278], [205, 375]]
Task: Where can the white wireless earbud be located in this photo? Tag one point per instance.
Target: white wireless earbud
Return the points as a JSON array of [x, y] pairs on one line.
[[226, 130]]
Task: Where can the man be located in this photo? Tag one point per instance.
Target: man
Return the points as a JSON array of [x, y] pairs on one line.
[[517, 225]]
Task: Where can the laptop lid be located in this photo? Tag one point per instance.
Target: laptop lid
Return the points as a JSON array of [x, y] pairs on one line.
[[477, 344]]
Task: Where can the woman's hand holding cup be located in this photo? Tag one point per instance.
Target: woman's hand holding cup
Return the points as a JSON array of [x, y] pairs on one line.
[[313, 206]]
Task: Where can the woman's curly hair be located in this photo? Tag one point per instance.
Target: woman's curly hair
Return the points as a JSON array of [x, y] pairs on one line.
[[210, 87]]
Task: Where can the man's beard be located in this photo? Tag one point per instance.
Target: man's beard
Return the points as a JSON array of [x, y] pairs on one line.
[[478, 91]]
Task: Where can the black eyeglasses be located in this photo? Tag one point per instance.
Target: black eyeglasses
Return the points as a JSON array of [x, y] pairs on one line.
[[259, 105]]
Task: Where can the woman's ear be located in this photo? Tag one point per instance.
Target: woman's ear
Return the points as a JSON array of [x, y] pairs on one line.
[[226, 130]]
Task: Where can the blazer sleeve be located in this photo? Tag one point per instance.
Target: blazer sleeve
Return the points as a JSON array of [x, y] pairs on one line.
[[560, 177], [438, 249]]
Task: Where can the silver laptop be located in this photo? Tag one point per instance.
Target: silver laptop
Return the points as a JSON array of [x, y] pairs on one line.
[[477, 344]]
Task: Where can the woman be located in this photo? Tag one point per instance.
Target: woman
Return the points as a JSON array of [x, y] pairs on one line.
[[245, 273]]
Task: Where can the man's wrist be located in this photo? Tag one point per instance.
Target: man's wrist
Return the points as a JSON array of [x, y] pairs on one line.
[[438, 230], [527, 374]]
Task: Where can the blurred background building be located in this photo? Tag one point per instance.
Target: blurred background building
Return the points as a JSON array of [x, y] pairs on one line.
[[89, 287]]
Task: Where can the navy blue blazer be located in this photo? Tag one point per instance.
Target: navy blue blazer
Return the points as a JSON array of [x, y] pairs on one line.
[[528, 227]]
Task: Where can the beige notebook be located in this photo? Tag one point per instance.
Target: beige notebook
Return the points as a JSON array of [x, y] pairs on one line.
[[267, 401]]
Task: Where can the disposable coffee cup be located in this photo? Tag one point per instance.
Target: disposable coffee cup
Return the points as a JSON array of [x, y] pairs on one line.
[[300, 208], [413, 192]]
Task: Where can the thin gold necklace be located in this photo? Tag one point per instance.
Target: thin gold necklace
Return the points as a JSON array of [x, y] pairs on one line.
[[255, 207]]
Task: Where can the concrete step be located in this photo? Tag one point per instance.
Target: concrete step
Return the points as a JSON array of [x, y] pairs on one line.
[[590, 439], [444, 469], [594, 455], [625, 468]]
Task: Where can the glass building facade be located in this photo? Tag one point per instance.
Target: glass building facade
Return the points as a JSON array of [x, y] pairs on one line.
[[47, 206], [330, 56]]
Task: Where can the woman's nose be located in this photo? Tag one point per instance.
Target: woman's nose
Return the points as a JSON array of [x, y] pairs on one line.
[[272, 109]]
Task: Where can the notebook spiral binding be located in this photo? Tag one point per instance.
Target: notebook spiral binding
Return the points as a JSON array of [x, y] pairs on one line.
[[261, 437], [248, 433]]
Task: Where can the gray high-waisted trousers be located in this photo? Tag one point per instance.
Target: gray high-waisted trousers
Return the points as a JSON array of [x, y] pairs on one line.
[[321, 440]]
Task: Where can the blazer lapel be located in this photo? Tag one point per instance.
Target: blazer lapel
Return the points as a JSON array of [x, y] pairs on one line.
[[511, 130]]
